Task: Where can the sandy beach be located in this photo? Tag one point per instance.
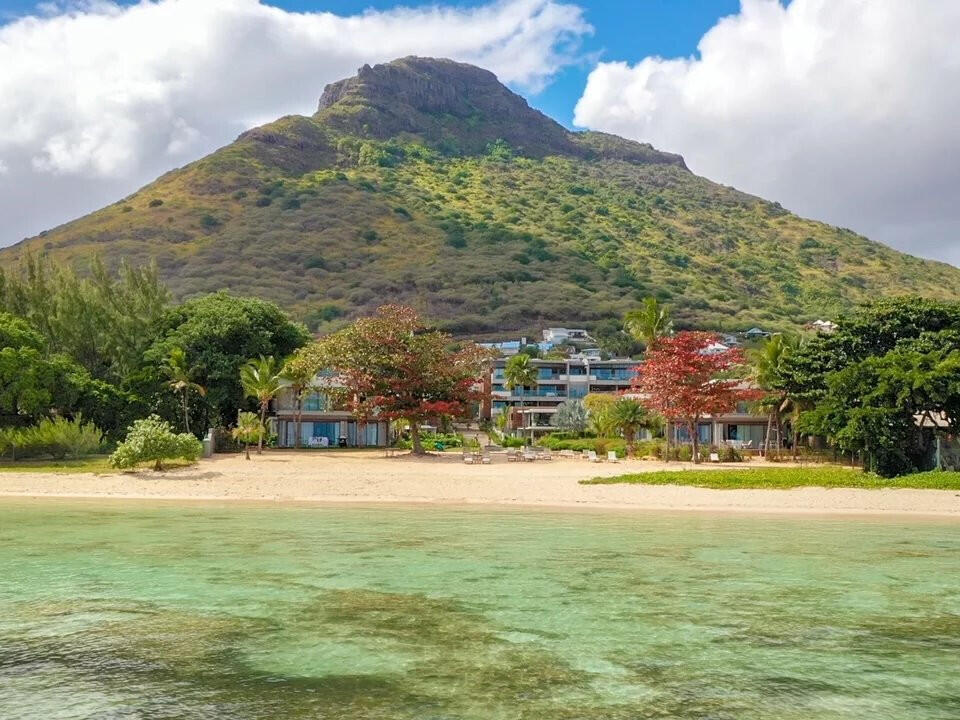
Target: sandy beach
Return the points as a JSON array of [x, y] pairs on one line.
[[369, 477]]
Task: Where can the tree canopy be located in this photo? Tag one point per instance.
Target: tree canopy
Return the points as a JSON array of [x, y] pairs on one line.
[[392, 367]]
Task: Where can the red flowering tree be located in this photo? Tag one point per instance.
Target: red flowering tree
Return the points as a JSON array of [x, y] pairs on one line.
[[687, 376], [392, 367]]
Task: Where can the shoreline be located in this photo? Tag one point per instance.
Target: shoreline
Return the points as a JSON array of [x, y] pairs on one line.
[[369, 478]]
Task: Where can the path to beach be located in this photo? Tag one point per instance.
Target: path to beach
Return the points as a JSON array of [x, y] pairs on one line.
[[369, 477]]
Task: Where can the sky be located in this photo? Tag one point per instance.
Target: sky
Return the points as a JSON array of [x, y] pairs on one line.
[[841, 110]]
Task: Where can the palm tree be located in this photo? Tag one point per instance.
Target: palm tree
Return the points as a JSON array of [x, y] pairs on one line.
[[650, 323], [300, 378], [248, 429], [176, 369], [769, 364], [628, 416], [261, 379], [519, 373]]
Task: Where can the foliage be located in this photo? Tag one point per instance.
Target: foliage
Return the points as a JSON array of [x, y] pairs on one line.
[[434, 440], [299, 375], [392, 367], [249, 430], [683, 383], [650, 323], [220, 333], [103, 321], [262, 380], [178, 380], [57, 437], [153, 440], [600, 408], [780, 478], [629, 417], [571, 415], [16, 332], [598, 445], [770, 364], [864, 385]]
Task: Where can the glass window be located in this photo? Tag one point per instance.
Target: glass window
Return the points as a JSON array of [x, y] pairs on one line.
[[315, 402]]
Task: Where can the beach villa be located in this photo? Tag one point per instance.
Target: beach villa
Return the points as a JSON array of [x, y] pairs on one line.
[[324, 424]]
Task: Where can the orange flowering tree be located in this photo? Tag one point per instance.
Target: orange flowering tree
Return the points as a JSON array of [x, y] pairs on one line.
[[391, 366], [685, 377]]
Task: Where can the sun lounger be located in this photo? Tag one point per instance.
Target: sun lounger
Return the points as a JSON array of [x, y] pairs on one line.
[[586, 454], [485, 459], [513, 456], [592, 456], [612, 456], [566, 453], [546, 454], [468, 458], [714, 457]]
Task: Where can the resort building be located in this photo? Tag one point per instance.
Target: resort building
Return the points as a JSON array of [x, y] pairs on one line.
[[532, 408], [563, 336], [741, 428], [323, 425]]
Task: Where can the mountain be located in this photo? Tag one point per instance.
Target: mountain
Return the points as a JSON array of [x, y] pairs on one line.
[[428, 182]]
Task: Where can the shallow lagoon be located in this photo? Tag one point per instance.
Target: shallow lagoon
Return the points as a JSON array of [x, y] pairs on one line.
[[213, 611]]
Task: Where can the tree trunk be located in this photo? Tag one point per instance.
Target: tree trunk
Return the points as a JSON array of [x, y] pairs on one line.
[[186, 412], [415, 438], [695, 439], [630, 447], [246, 448], [766, 438], [263, 418], [157, 466], [299, 420]]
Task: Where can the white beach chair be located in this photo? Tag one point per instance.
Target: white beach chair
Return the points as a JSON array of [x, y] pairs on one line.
[[612, 456], [467, 458], [529, 455], [485, 459], [546, 454], [592, 456], [586, 454], [714, 457]]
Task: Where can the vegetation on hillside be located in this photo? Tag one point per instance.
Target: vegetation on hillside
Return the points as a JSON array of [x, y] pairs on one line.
[[489, 220]]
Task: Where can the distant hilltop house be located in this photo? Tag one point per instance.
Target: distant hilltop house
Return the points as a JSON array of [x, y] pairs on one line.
[[821, 326], [565, 336]]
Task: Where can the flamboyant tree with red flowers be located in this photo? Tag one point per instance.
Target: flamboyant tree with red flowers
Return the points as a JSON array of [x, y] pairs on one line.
[[391, 366], [687, 376]]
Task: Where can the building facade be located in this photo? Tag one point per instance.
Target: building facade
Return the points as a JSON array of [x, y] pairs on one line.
[[323, 425], [573, 378]]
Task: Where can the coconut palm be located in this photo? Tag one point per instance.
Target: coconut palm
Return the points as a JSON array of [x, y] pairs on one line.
[[178, 373], [629, 416], [261, 379], [300, 376], [769, 364], [650, 323], [519, 373], [248, 430]]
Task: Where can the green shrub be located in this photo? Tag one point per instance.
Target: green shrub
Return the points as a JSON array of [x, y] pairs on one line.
[[513, 442], [58, 438], [153, 440], [729, 453], [156, 202], [599, 445], [431, 440], [685, 453]]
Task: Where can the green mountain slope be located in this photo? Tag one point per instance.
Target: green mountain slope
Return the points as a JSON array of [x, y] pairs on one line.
[[430, 183]]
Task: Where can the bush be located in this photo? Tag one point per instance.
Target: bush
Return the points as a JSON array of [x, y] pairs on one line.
[[513, 442], [729, 453], [58, 438], [557, 441], [153, 440], [430, 441]]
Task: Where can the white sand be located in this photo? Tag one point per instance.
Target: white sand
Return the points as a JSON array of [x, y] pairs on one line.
[[369, 477]]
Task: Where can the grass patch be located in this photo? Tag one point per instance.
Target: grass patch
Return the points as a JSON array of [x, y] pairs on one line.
[[779, 478], [98, 464]]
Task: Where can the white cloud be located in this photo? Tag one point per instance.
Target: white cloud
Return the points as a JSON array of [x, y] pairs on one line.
[[99, 98], [843, 110]]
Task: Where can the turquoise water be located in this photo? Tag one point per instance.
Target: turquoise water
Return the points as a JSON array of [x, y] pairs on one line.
[[154, 612]]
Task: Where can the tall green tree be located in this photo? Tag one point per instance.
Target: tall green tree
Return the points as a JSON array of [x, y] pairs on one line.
[[178, 374], [103, 320], [519, 373], [571, 415], [220, 333], [649, 323], [261, 380], [769, 368], [300, 373]]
